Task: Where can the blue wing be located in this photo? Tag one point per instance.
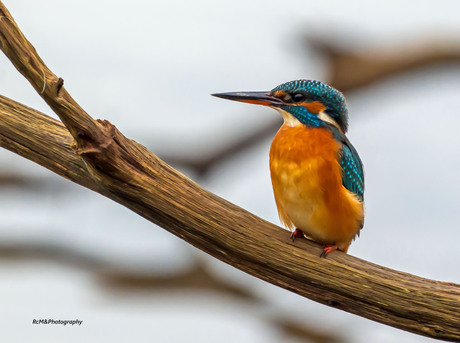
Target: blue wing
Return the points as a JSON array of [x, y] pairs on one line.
[[352, 169]]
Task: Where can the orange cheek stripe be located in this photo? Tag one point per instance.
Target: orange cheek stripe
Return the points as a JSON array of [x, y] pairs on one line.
[[314, 106]]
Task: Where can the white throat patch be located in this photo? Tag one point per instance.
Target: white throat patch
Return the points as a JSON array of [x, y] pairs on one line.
[[289, 119]]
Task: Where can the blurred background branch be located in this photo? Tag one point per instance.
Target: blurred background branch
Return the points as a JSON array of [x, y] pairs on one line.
[[117, 280]]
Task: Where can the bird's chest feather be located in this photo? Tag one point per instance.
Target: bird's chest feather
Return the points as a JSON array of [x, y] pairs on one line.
[[305, 173], [304, 162]]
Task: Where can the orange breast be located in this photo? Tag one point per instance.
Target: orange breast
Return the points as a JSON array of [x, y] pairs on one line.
[[307, 185]]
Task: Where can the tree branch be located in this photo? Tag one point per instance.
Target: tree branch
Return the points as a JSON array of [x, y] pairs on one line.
[[105, 161]]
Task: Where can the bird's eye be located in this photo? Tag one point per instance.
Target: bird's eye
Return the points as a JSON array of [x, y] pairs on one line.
[[298, 97]]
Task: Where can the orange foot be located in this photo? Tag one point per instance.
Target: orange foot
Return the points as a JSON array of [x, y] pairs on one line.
[[328, 249], [297, 233]]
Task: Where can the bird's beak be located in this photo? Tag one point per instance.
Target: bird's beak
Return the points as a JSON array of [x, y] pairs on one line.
[[258, 98]]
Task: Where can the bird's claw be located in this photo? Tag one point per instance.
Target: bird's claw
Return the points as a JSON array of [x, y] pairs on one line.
[[297, 233], [328, 249]]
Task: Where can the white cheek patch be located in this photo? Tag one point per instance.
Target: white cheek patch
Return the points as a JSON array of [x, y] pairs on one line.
[[328, 119], [289, 119]]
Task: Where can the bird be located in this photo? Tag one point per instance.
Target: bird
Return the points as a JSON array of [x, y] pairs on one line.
[[316, 173]]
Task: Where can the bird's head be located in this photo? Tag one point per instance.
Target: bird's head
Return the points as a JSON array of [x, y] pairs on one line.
[[309, 102]]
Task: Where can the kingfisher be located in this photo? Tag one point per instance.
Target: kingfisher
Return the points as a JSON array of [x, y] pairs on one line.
[[316, 173]]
